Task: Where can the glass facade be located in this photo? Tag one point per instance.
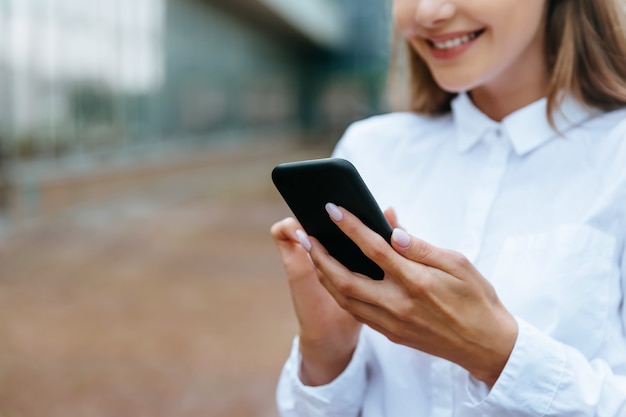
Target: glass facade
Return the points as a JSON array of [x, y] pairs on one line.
[[77, 74], [86, 81]]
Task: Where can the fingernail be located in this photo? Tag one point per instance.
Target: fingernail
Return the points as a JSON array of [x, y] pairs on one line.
[[401, 238], [334, 212], [304, 240]]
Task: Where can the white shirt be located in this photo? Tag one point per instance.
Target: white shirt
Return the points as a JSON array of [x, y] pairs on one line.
[[543, 217]]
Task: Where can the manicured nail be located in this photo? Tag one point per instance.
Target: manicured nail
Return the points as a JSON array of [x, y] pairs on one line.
[[334, 212], [304, 240], [401, 238]]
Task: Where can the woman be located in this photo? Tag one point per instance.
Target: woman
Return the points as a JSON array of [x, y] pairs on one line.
[[504, 288]]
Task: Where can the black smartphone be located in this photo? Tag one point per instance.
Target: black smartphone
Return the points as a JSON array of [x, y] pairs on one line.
[[306, 187]]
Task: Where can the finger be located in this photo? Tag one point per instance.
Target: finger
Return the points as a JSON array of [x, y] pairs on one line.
[[388, 324], [288, 235], [381, 328], [285, 235], [373, 302], [371, 243], [374, 315], [423, 252], [296, 261], [392, 217], [339, 280], [285, 230]]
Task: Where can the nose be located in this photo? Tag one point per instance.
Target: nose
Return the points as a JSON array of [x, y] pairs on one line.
[[431, 13]]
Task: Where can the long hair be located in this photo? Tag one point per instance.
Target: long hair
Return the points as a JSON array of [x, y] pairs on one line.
[[585, 52]]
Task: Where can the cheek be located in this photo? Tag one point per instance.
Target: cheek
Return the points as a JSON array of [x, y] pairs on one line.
[[472, 72], [523, 30], [403, 15], [520, 44]]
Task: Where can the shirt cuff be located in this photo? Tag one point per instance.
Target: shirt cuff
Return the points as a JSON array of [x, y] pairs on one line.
[[341, 397], [529, 381]]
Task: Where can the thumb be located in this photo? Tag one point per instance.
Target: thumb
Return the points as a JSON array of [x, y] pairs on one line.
[[424, 253], [392, 217]]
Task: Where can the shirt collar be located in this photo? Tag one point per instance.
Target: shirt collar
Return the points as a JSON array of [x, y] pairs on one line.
[[527, 128]]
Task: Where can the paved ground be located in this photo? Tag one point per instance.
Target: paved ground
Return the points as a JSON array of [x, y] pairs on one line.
[[169, 301]]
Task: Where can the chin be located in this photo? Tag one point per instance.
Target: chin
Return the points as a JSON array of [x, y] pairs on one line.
[[457, 84], [455, 87]]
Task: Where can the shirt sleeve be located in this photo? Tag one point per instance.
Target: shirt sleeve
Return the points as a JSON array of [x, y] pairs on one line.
[[343, 397], [544, 377]]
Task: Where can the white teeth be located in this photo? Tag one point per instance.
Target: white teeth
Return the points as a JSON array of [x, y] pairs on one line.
[[453, 43]]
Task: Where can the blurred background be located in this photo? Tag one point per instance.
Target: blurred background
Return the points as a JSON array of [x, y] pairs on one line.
[[137, 275]]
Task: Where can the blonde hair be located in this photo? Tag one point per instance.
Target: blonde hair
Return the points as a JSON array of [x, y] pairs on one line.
[[585, 46]]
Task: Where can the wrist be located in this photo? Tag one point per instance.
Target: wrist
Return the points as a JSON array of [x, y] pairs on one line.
[[324, 360], [496, 357]]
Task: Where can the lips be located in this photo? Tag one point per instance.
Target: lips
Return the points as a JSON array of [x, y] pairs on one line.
[[451, 45], [453, 40]]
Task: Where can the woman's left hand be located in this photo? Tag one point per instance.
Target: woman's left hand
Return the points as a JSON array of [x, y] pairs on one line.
[[430, 299]]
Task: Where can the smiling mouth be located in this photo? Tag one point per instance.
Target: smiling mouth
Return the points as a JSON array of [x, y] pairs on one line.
[[455, 42]]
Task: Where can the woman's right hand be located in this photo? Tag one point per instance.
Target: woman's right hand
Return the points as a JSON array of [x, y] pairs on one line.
[[328, 333]]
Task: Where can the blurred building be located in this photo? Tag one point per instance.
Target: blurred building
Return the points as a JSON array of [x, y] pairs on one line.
[[87, 82]]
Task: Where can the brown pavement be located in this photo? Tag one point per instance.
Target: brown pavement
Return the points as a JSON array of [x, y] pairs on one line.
[[167, 300]]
